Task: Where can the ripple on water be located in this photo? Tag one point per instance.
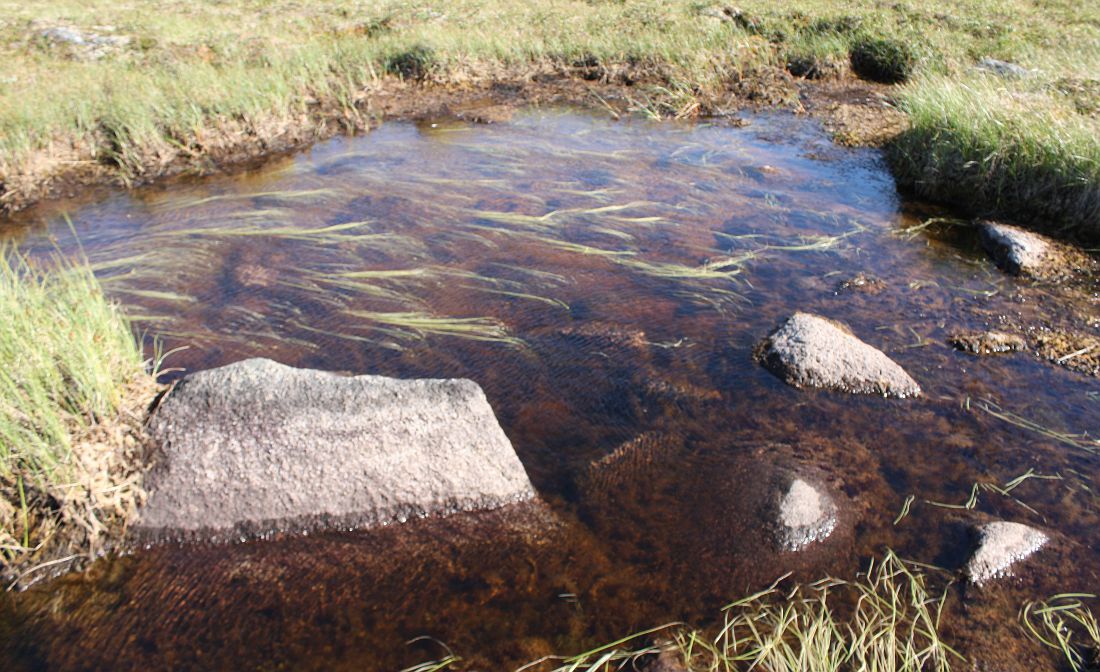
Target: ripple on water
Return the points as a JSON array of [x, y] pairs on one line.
[[606, 284]]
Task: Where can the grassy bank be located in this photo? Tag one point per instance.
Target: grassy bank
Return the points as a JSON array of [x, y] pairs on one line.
[[73, 390], [149, 87], [1028, 154]]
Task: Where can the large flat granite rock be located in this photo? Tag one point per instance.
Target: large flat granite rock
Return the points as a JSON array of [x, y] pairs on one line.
[[256, 447]]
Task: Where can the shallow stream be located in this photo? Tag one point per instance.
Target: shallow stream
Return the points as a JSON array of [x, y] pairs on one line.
[[602, 281]]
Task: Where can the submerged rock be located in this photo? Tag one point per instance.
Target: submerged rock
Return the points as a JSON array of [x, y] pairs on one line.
[[630, 462], [862, 283], [812, 351], [668, 660], [257, 446], [987, 342], [804, 515], [1002, 544]]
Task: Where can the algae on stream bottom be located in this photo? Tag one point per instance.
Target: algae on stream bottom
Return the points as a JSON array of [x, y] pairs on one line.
[[624, 272]]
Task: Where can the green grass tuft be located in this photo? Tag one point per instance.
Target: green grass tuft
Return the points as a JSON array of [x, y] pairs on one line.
[[69, 367], [412, 64], [883, 60], [1001, 149]]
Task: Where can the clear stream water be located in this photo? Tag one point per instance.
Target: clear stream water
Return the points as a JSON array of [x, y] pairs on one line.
[[605, 282]]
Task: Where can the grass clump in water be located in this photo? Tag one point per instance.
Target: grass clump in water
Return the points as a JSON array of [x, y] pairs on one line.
[[888, 620], [1063, 622], [73, 391]]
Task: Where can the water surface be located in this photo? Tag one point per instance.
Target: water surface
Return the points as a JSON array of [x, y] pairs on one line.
[[605, 282]]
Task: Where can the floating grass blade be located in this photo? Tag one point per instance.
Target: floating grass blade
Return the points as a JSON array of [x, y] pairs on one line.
[[415, 326], [1063, 622]]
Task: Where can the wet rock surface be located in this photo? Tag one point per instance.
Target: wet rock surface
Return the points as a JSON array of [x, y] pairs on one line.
[[256, 446], [1029, 254], [812, 351], [861, 283], [804, 515], [987, 342], [1000, 546]]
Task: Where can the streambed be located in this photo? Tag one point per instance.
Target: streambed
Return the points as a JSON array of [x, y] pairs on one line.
[[602, 281]]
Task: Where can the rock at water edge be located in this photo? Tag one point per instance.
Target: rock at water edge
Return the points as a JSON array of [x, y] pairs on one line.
[[987, 342], [1026, 253]]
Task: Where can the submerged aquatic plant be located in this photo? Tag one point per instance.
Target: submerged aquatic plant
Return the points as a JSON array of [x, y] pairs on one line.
[[415, 326], [1082, 441]]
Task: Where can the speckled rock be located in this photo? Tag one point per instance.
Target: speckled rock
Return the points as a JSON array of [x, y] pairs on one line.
[[811, 351], [1003, 68], [257, 446], [1018, 251], [1000, 546], [804, 515], [1029, 254], [83, 45]]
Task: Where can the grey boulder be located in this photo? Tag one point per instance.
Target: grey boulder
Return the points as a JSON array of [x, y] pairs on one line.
[[1026, 253], [86, 46], [1003, 69], [804, 515], [1000, 546], [256, 447], [812, 351], [1017, 250]]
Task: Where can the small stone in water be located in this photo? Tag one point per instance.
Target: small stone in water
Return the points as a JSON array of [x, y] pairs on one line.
[[987, 342], [1001, 545], [805, 516]]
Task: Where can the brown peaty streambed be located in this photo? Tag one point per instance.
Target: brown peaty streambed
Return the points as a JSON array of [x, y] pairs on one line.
[[602, 281]]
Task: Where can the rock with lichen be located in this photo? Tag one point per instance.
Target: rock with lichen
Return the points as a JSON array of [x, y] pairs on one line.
[[256, 446]]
